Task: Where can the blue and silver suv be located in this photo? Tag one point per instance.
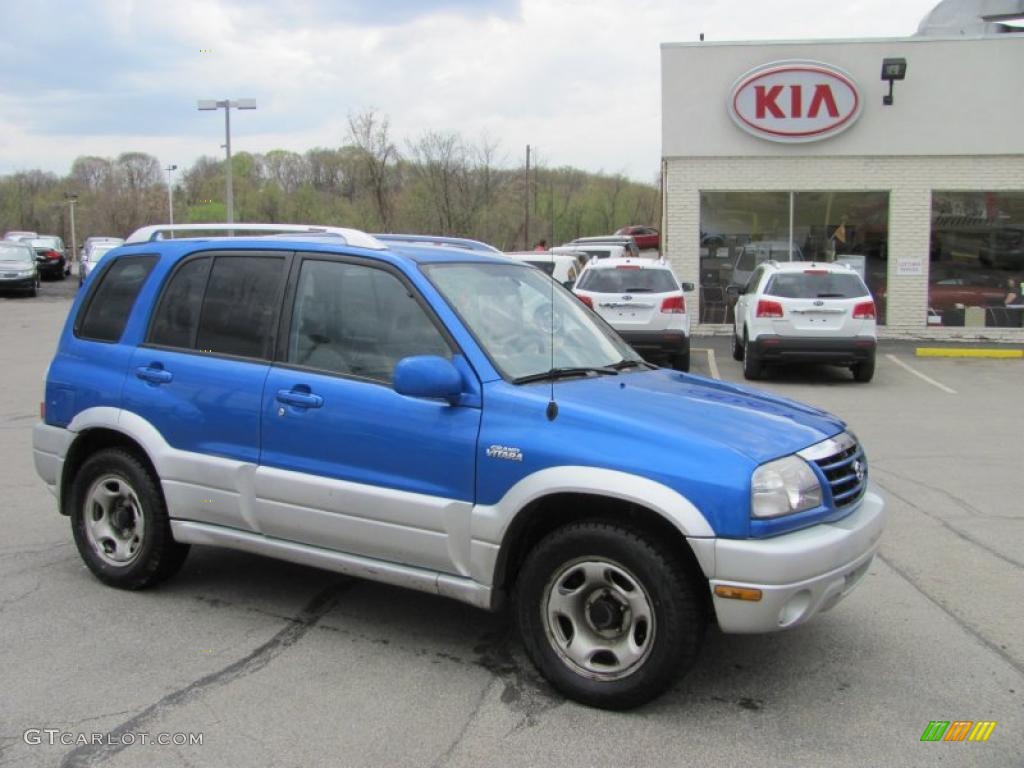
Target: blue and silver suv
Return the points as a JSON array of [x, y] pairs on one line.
[[449, 421]]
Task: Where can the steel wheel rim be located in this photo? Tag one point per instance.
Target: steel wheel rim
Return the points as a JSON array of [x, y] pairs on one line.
[[598, 618], [114, 524]]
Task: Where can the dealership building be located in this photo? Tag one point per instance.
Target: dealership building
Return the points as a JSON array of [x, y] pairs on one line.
[[903, 157]]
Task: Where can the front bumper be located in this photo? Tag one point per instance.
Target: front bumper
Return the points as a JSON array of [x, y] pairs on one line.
[[18, 283], [668, 342], [800, 574], [786, 349]]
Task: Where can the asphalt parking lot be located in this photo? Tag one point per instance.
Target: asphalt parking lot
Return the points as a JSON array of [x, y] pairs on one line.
[[276, 664]]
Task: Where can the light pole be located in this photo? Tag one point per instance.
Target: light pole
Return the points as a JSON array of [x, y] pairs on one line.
[[170, 196], [71, 199], [226, 105]]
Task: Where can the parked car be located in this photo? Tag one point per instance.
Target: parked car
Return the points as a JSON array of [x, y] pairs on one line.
[[50, 259], [18, 234], [805, 312], [955, 292], [91, 256], [558, 265], [448, 421], [628, 243], [594, 250], [18, 270], [643, 300], [645, 237], [752, 254]]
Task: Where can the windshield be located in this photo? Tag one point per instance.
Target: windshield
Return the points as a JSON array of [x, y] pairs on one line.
[[16, 253], [627, 280], [816, 285], [508, 309]]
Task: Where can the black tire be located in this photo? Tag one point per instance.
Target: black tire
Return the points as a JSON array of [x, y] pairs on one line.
[[34, 290], [752, 368], [681, 362], [737, 348], [677, 610], [864, 371], [155, 556]]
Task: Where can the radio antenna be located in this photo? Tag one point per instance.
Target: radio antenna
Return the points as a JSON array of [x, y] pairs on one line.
[[552, 411]]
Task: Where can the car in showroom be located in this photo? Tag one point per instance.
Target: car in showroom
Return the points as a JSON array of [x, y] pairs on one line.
[[445, 420], [804, 311], [646, 238], [644, 301], [18, 271]]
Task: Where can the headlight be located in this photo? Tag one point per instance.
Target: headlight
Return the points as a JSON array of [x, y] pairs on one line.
[[784, 486], [27, 272]]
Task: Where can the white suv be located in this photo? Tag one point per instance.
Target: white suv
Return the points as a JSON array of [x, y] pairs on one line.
[[643, 300], [804, 311]]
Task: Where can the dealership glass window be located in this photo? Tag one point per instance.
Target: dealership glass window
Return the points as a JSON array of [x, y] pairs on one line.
[[977, 259], [739, 229]]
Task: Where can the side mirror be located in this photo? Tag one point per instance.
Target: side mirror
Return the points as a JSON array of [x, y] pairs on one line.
[[569, 284], [687, 287], [428, 376], [732, 290]]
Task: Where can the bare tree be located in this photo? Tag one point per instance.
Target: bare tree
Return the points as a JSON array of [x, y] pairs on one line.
[[378, 156]]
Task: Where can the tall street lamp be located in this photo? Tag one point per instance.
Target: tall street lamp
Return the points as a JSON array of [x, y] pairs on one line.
[[170, 196], [227, 105]]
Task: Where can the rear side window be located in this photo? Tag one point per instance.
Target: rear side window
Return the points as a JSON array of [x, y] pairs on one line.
[[106, 312], [240, 306], [628, 281], [816, 285], [177, 317], [224, 304]]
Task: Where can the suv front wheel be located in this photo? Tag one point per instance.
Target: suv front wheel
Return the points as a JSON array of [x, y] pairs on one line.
[[120, 524], [607, 614]]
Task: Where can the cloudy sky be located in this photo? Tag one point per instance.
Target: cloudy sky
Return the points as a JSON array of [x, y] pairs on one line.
[[578, 79]]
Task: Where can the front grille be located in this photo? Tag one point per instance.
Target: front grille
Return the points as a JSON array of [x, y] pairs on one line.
[[844, 465]]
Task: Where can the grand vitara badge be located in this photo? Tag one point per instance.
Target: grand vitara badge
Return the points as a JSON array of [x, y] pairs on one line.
[[504, 452], [795, 101]]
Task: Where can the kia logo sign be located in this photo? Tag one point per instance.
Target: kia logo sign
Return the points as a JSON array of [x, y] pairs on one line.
[[795, 101]]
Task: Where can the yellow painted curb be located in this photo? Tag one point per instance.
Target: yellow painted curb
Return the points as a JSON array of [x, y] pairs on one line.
[[1001, 354]]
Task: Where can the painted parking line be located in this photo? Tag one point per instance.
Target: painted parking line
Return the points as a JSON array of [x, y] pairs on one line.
[[995, 354], [929, 379], [712, 363]]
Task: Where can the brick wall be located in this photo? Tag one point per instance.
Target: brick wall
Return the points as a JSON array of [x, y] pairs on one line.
[[909, 181]]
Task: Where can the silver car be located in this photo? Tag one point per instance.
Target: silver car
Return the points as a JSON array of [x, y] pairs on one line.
[[18, 270]]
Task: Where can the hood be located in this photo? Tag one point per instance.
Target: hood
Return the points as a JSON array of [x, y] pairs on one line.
[[746, 421]]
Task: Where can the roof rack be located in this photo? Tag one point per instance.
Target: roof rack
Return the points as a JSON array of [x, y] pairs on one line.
[[437, 241], [353, 237]]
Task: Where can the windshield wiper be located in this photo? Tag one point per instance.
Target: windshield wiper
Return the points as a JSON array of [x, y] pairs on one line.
[[831, 296], [564, 373], [624, 363]]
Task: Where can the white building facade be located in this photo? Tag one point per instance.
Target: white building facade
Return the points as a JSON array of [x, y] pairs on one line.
[[779, 148]]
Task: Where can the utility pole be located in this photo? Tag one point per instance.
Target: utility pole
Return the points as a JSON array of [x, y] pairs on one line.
[[526, 225], [71, 199], [170, 196]]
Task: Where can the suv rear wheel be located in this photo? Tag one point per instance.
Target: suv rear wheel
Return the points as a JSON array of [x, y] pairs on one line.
[[864, 371], [752, 368], [681, 362], [607, 614], [737, 347], [119, 521]]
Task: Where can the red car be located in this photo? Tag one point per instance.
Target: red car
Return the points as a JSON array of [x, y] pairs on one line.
[[646, 237]]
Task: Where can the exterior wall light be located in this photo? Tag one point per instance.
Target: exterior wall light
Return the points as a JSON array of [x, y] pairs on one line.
[[892, 69]]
